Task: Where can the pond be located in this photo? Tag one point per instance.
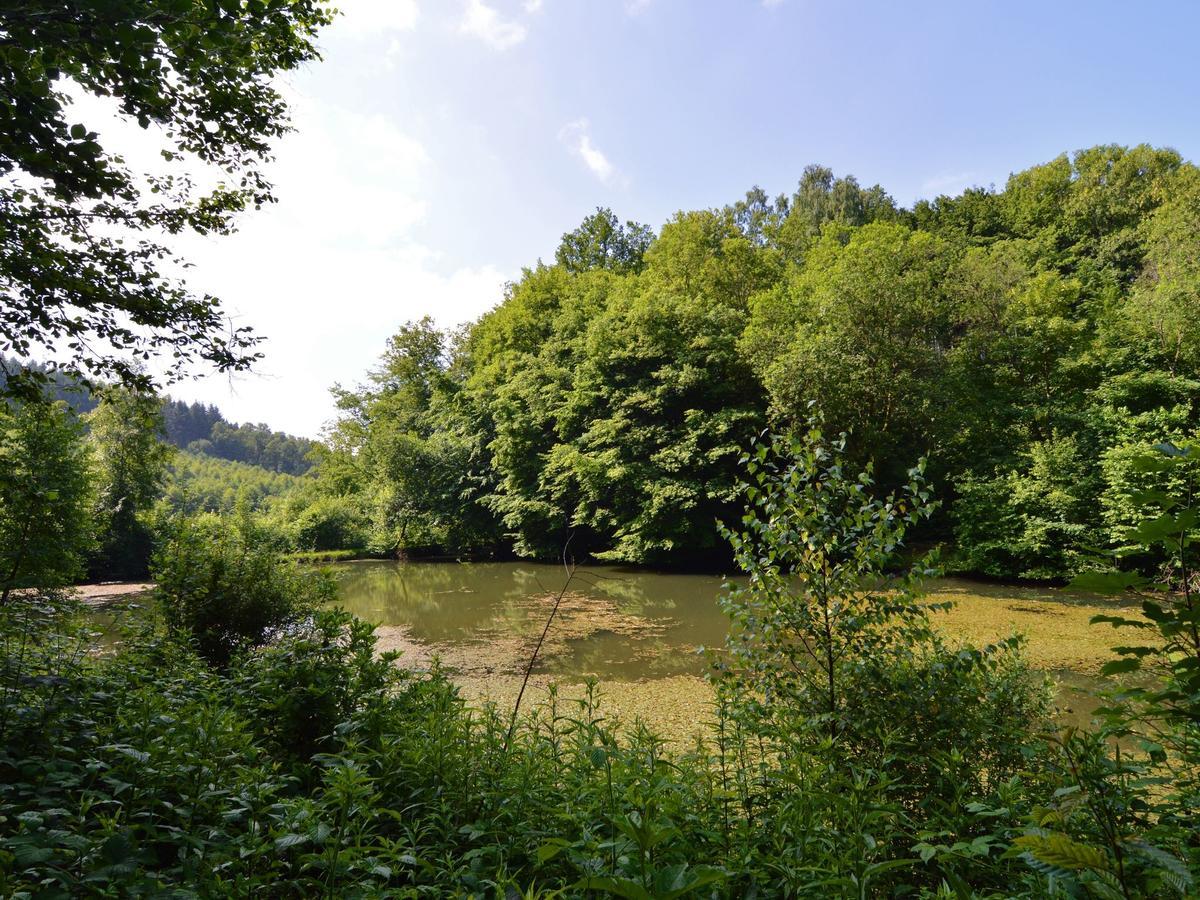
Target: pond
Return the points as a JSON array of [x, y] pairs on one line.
[[638, 631]]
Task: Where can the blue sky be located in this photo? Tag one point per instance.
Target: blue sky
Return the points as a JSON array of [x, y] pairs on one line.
[[441, 146]]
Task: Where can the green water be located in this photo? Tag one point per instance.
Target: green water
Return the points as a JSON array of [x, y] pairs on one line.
[[625, 624]]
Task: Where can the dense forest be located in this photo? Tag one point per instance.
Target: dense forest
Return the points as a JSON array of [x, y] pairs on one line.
[[1030, 341], [200, 428]]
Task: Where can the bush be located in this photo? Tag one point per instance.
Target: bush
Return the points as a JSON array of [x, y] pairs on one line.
[[227, 592], [299, 689]]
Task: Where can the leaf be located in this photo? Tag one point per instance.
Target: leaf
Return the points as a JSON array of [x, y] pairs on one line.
[[290, 840], [618, 887], [551, 849], [1163, 860], [1062, 852]]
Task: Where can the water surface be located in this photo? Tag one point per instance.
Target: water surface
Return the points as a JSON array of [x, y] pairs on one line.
[[628, 624]]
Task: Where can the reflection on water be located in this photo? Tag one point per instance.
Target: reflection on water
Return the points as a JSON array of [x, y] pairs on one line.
[[628, 624], [619, 623]]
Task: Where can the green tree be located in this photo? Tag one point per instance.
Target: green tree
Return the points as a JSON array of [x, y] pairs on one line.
[[78, 267], [45, 497], [602, 242], [863, 330], [1165, 303], [131, 463], [399, 431], [815, 544]]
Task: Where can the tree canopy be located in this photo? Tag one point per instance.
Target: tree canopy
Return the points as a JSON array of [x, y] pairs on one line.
[[1030, 341], [85, 263]]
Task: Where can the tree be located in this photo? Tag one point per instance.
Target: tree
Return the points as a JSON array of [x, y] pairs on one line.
[[400, 434], [602, 242], [131, 463], [833, 661], [815, 544], [45, 497], [863, 329], [77, 269], [1165, 303]]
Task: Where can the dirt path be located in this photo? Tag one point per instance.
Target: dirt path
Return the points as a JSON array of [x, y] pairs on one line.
[[107, 591]]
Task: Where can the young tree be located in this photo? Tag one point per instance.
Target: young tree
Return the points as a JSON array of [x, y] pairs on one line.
[[131, 462], [45, 497], [77, 270], [815, 544]]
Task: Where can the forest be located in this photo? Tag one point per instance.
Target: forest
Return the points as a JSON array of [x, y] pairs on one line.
[[834, 396], [1030, 342]]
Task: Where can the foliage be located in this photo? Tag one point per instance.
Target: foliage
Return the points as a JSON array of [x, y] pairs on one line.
[[131, 469], [832, 661], [78, 268], [202, 429], [1029, 522], [1026, 340], [602, 242], [198, 483], [328, 523], [227, 592], [46, 499], [311, 765], [814, 542]]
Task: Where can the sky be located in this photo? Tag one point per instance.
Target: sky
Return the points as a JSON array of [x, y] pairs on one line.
[[442, 145]]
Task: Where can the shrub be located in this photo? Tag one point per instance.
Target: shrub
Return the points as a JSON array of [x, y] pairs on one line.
[[229, 593], [833, 661]]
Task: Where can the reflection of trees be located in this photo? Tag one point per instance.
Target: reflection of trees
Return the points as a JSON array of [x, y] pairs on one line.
[[454, 602]]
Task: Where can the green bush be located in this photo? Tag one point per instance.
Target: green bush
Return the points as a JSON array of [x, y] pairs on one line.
[[227, 592], [299, 689], [329, 523]]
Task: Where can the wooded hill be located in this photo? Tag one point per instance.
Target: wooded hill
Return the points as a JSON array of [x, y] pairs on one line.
[[1030, 340]]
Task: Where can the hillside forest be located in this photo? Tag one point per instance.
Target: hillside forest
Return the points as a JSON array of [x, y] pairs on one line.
[[1030, 342]]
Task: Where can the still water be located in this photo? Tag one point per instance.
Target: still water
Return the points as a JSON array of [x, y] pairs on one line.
[[630, 624], [616, 623]]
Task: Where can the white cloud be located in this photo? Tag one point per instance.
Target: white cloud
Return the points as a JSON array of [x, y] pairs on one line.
[[769, 4], [532, 6], [482, 21], [577, 136], [633, 7], [948, 182], [369, 17], [333, 269]]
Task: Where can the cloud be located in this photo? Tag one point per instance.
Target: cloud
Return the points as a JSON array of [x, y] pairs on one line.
[[328, 272], [333, 268], [770, 4], [948, 183], [577, 136], [532, 6], [370, 17], [482, 21], [633, 7]]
